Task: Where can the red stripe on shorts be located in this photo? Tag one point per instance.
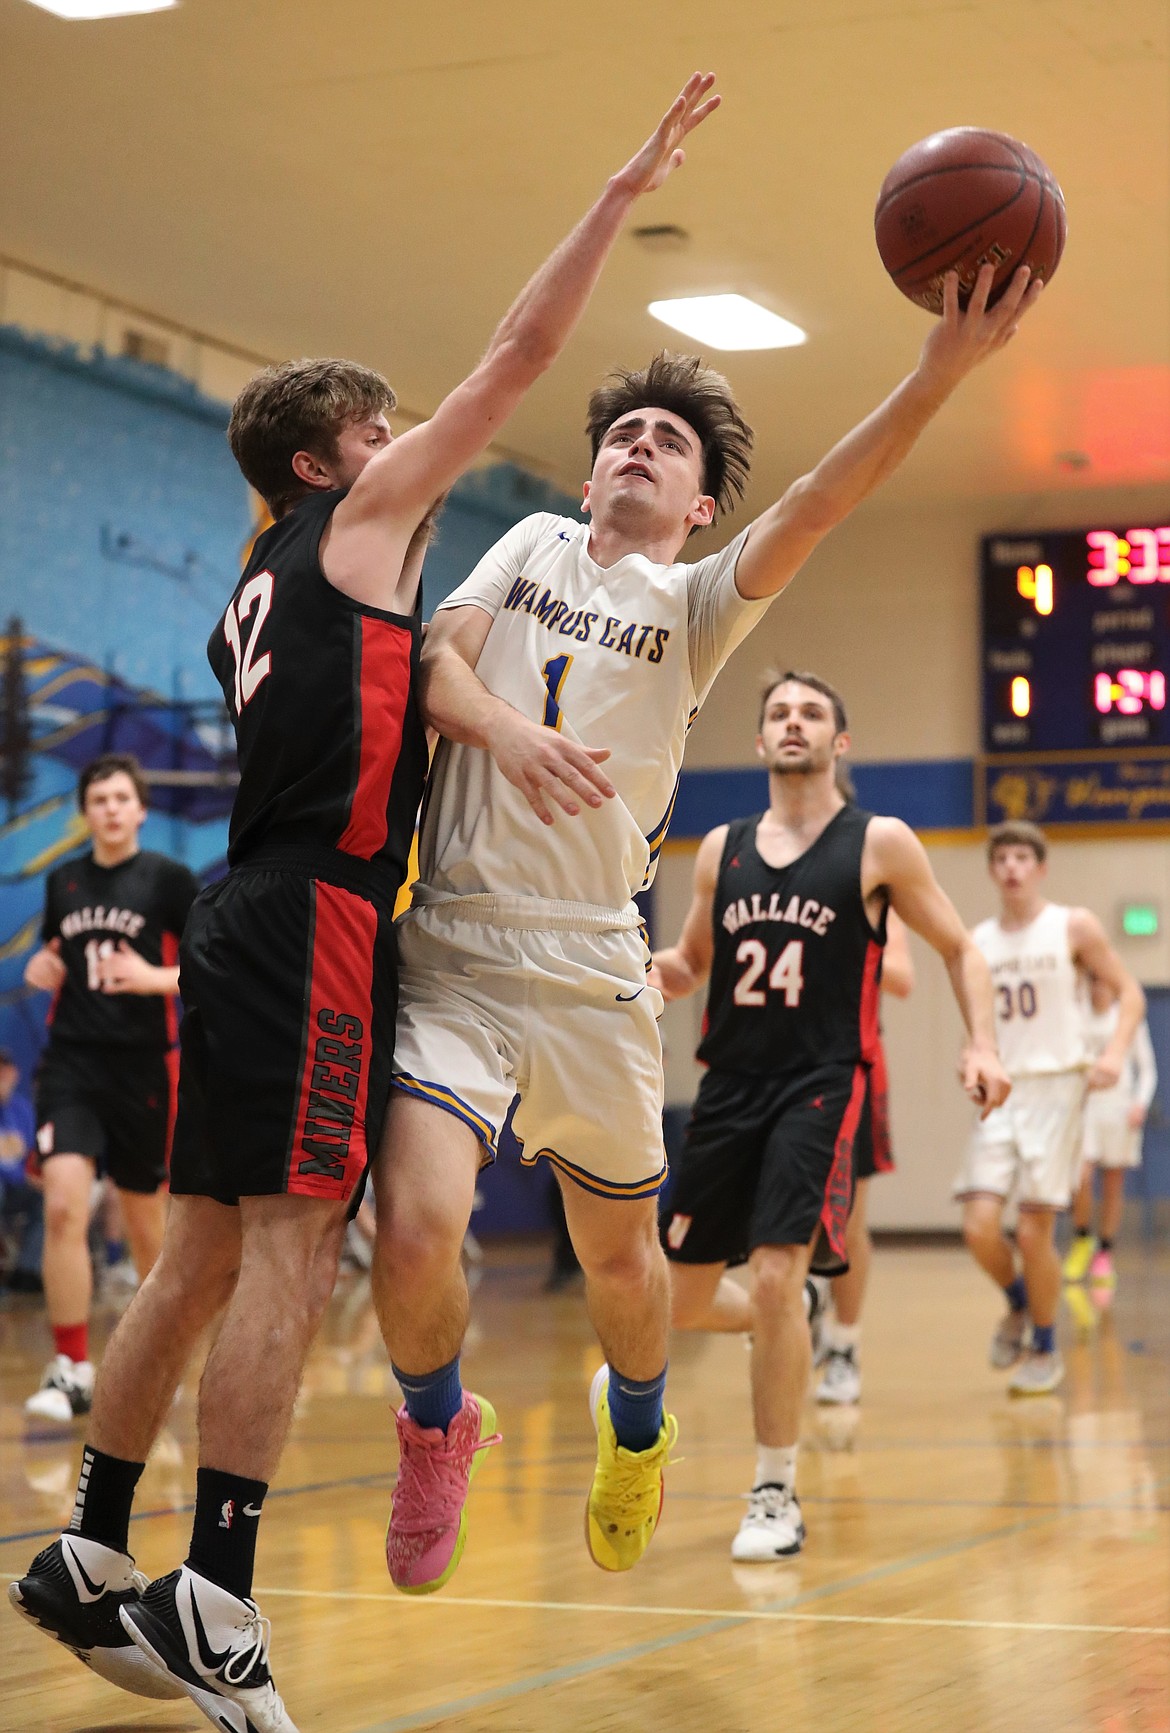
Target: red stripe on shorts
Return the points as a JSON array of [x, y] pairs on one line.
[[383, 692], [879, 1111], [839, 1187], [170, 958], [328, 1151]]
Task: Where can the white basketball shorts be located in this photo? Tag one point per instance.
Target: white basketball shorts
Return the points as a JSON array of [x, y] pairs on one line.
[[500, 996], [1110, 1140], [1032, 1144]]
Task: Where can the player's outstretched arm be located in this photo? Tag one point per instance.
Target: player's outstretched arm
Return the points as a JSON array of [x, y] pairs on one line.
[[783, 537], [894, 857], [543, 764], [1092, 952], [682, 968], [397, 487]]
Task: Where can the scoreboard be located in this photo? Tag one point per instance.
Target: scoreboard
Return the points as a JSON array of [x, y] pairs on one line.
[[1076, 640]]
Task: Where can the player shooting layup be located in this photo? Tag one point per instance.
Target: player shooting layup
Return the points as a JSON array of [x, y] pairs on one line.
[[788, 920], [523, 965], [1043, 959], [289, 975]]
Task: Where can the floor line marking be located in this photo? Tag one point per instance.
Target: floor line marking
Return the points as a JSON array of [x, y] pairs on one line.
[[742, 1614], [693, 1633]]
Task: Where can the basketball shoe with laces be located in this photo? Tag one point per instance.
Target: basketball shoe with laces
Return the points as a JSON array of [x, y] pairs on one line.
[[212, 1644], [428, 1518], [772, 1528], [66, 1391], [625, 1499], [74, 1591]]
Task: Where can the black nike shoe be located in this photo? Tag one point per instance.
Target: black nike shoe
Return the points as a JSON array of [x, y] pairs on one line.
[[212, 1644], [74, 1591]]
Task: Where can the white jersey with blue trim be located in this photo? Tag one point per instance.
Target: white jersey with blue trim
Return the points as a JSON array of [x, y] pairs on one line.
[[619, 656], [1040, 995]]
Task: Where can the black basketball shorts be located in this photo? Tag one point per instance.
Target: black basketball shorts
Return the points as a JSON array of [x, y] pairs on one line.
[[289, 987], [112, 1104], [872, 1151], [767, 1161]]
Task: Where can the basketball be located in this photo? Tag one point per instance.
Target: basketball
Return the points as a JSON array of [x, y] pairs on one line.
[[961, 199]]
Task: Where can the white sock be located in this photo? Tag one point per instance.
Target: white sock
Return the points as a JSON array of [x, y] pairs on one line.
[[842, 1336], [775, 1465]]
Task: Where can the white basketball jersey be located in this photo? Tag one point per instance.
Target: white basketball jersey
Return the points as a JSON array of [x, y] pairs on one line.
[[1138, 1082], [619, 656], [1039, 994]]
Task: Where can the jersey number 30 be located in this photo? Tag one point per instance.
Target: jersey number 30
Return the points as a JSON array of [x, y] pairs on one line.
[[250, 670], [785, 976]]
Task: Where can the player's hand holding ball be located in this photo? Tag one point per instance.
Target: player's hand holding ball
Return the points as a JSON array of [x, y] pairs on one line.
[[984, 1078]]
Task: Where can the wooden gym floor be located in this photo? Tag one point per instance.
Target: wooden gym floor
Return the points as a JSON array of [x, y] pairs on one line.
[[974, 1564]]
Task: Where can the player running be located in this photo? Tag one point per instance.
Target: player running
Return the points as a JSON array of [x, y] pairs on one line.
[[788, 921], [840, 1331], [1044, 958], [1112, 1143], [289, 975], [109, 954], [572, 645]]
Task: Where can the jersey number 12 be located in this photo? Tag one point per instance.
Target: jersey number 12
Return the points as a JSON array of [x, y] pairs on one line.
[[250, 671], [785, 977]]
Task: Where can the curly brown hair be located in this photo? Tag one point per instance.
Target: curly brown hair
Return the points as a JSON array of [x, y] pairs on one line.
[[299, 406], [682, 385]]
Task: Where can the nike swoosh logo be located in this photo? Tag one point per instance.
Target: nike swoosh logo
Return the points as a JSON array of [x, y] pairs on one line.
[[628, 998], [91, 1591], [207, 1655]]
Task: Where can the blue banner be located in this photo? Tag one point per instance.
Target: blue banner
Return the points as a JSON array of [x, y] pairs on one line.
[[1082, 789]]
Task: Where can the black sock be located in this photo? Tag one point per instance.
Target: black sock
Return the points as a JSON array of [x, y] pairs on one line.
[[223, 1535], [105, 1492], [1104, 1245], [1084, 1233]]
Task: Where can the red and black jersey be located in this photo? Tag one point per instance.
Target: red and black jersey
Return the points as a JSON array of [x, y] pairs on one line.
[[321, 689], [90, 910], [795, 974]]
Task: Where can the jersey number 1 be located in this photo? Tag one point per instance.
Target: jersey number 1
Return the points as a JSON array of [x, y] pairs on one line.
[[250, 672], [785, 976], [554, 672]]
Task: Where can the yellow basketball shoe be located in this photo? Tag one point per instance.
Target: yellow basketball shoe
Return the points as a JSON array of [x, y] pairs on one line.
[[625, 1500], [1079, 1256]]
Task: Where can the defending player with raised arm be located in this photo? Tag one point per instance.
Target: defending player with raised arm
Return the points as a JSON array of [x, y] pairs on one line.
[[788, 924], [289, 971], [563, 676], [1045, 960]]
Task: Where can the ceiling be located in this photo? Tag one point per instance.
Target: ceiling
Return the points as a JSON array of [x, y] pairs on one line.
[[372, 178]]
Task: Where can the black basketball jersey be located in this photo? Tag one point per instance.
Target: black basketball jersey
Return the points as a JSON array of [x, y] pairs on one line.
[[321, 689], [794, 978], [90, 910]]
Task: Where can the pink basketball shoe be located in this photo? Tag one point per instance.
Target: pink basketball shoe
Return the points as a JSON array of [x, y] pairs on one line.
[[428, 1522]]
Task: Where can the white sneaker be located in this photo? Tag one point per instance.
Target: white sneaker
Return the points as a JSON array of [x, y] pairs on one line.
[[212, 1644], [66, 1391], [773, 1527], [841, 1379], [1037, 1375]]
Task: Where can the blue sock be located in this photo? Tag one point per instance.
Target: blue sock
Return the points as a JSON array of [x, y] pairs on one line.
[[1017, 1295], [1043, 1338], [636, 1409], [433, 1399]]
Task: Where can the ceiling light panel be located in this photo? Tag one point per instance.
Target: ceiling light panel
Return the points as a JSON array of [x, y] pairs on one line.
[[77, 9], [728, 322]]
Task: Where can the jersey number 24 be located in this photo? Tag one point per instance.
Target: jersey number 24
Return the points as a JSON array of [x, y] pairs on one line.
[[785, 976]]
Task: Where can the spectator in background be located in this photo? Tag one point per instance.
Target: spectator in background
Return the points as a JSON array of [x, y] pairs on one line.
[[21, 1209]]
